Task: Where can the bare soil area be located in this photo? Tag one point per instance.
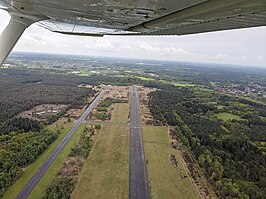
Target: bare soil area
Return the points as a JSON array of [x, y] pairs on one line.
[[42, 112]]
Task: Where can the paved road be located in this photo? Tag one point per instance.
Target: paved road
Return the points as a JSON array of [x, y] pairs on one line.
[[25, 192], [138, 182]]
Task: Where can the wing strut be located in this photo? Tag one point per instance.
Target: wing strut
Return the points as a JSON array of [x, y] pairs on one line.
[[21, 19], [10, 36]]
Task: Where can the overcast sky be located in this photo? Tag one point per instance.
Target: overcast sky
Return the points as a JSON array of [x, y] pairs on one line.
[[242, 47]]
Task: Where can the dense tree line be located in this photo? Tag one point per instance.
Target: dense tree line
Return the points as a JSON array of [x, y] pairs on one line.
[[234, 165], [82, 148], [18, 150], [20, 124]]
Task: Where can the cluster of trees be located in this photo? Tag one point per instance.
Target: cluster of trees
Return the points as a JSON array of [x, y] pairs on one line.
[[61, 189], [82, 148], [20, 124], [17, 151], [106, 103], [102, 109], [234, 165]]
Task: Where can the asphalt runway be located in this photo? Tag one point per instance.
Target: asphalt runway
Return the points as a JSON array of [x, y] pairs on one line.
[[138, 181], [25, 192]]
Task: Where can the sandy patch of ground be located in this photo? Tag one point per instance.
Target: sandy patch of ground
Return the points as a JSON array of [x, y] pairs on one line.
[[146, 116]]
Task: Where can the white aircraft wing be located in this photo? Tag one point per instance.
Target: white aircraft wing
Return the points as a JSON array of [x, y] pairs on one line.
[[134, 17]]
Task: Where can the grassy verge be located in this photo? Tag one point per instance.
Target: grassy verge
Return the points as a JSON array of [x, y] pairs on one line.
[[121, 112], [165, 179], [13, 191], [106, 171], [48, 177]]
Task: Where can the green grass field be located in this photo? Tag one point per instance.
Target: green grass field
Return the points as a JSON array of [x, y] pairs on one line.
[[220, 106], [182, 84], [13, 191], [48, 177], [84, 74], [106, 171], [227, 116], [142, 78], [120, 113], [145, 78], [165, 180]]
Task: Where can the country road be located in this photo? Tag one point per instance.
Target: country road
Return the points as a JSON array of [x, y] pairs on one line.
[[138, 181], [25, 192]]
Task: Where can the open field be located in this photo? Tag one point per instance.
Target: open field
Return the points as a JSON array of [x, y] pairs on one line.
[[227, 116], [183, 84], [31, 169], [142, 78], [178, 84], [106, 171], [85, 74], [220, 106], [165, 179], [120, 113], [48, 177]]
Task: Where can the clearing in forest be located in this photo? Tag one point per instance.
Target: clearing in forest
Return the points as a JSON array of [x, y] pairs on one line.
[[227, 116]]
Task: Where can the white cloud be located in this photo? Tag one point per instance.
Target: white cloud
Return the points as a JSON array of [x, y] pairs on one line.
[[104, 44]]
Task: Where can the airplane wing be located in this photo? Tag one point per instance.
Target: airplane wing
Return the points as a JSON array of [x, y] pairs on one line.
[[136, 17], [147, 17]]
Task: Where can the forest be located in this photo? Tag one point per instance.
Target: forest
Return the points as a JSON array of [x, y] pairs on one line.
[[18, 150], [226, 149], [21, 90]]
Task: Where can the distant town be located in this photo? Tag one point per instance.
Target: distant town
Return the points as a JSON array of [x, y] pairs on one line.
[[251, 89]]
